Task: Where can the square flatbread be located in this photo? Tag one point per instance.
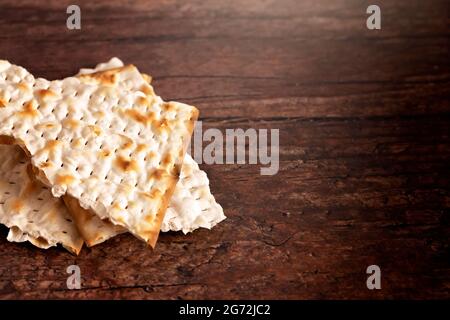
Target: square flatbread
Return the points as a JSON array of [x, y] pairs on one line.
[[192, 205], [104, 139]]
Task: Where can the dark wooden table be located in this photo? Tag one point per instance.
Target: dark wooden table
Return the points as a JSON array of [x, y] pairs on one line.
[[364, 124]]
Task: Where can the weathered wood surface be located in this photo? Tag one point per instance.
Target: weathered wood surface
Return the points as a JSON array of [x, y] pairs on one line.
[[364, 146]]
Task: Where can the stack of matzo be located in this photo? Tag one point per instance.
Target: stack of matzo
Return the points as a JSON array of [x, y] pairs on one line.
[[109, 147]]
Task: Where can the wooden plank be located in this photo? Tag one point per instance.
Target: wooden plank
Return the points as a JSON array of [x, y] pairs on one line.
[[364, 128]]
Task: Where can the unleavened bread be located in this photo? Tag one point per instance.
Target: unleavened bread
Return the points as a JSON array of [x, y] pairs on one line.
[[104, 139], [192, 205]]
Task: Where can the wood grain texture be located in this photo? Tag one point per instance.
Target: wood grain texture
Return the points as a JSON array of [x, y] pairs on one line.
[[364, 122]]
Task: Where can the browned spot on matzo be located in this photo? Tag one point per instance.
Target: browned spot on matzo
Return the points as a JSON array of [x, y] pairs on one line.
[[71, 123], [147, 79], [168, 106], [29, 109], [126, 165], [52, 144], [167, 160], [44, 165], [65, 179], [104, 153], [22, 86], [141, 147], [49, 125], [144, 118], [155, 193], [163, 125], [127, 144], [158, 174], [95, 129], [107, 78], [2, 103], [46, 94]]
